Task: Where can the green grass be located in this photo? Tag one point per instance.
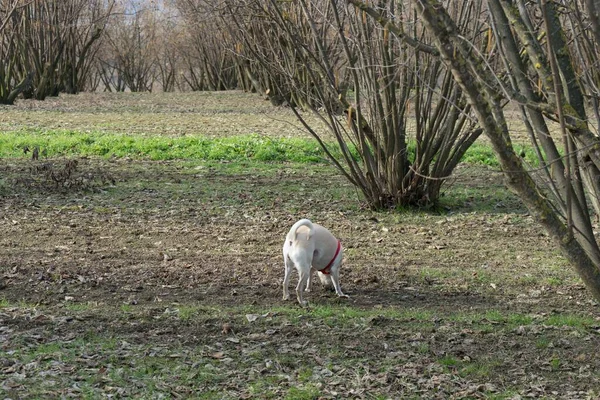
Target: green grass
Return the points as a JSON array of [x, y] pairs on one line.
[[234, 148], [574, 321], [302, 393], [186, 312], [542, 342], [555, 363], [483, 154]]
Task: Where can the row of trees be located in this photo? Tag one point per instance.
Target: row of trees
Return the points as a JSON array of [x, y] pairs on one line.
[[53, 46], [47, 47]]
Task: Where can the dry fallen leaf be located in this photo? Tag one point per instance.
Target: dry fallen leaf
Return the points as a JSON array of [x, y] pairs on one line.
[[252, 317]]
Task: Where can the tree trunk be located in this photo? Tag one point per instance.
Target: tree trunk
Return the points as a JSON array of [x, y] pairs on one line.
[[469, 72]]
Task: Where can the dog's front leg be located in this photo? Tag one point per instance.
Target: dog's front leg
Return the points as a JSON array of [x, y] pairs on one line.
[[335, 279]]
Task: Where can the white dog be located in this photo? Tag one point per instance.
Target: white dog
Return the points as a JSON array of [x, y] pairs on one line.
[[309, 246]]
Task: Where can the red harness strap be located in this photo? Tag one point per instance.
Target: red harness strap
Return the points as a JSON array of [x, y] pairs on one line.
[[327, 269]]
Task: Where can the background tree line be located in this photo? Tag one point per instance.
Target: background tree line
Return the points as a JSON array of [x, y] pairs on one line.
[[53, 46]]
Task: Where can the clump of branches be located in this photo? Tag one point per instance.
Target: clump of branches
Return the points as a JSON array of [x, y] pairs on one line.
[[397, 104], [62, 175]]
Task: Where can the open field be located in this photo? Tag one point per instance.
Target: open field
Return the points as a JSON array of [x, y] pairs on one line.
[[151, 278]]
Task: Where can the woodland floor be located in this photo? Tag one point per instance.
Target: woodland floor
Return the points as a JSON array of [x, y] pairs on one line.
[[162, 279]]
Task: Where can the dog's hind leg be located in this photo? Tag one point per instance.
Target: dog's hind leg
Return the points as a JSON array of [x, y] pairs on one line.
[[304, 273], [286, 277], [309, 280]]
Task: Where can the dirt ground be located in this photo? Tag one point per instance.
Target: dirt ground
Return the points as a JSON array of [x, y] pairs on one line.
[[472, 301]]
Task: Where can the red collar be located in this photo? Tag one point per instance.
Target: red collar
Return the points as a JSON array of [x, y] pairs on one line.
[[327, 269]]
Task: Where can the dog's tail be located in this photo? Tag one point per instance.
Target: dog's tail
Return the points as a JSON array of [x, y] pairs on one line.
[[303, 222]]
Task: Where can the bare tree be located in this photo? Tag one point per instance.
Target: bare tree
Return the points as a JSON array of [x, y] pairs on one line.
[[128, 60], [82, 44], [208, 62], [396, 105], [11, 82], [542, 81], [169, 48]]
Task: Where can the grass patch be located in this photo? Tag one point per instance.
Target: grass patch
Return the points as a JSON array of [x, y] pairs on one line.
[[187, 312], [308, 392], [60, 142], [574, 321], [542, 342], [235, 148], [483, 154]]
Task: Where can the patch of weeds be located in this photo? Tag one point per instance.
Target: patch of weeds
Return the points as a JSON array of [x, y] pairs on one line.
[[423, 348], [555, 363], [542, 342], [480, 369], [416, 314], [380, 397], [491, 198], [262, 389], [159, 147], [494, 316], [485, 277], [480, 154], [527, 280], [308, 392], [186, 313], [305, 374], [26, 306], [4, 303], [491, 320], [327, 311], [483, 154], [449, 361], [554, 281], [210, 395], [573, 321], [428, 274], [287, 361], [505, 395], [127, 308], [519, 319], [47, 348]]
